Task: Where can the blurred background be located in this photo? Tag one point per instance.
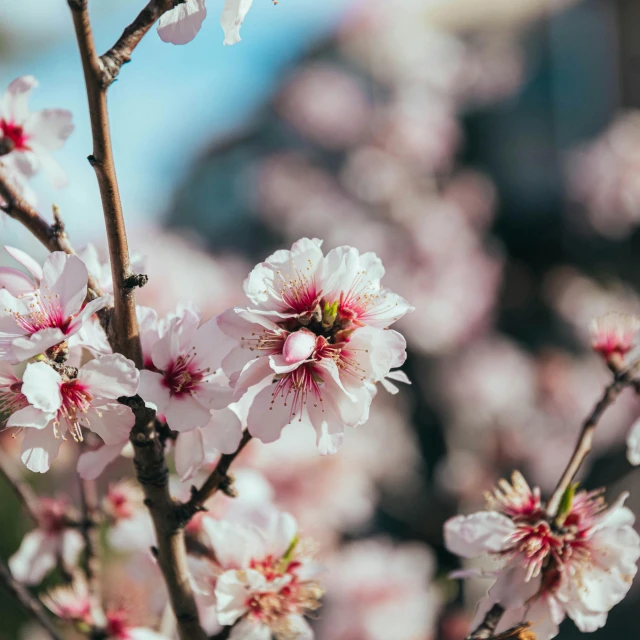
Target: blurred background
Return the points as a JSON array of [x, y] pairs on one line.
[[486, 151]]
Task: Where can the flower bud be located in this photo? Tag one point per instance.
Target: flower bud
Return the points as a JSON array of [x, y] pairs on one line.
[[298, 346]]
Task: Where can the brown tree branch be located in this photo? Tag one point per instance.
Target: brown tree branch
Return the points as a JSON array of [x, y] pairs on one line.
[[488, 626], [124, 326], [121, 51], [153, 475], [29, 602], [151, 468], [585, 441], [218, 479], [92, 565]]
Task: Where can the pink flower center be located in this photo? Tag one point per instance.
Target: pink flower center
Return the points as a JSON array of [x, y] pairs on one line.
[[183, 376], [296, 388], [76, 402], [117, 626], [298, 294], [51, 515], [536, 543], [15, 133], [44, 313]]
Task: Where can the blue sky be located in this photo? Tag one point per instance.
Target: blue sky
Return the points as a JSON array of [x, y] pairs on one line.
[[169, 101]]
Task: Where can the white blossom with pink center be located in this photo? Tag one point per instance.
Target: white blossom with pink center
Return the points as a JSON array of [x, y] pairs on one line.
[[11, 397], [27, 139], [69, 602], [265, 583], [186, 382], [38, 314], [614, 335], [42, 547], [376, 590], [313, 342], [579, 563], [181, 25], [58, 406]]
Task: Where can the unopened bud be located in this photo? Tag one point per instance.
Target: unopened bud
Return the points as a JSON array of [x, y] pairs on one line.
[[298, 346]]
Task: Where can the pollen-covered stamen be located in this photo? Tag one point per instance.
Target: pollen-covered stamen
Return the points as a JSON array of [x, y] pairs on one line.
[[14, 133], [45, 312], [76, 402], [183, 376], [296, 388], [516, 500], [537, 544], [268, 341], [298, 293]]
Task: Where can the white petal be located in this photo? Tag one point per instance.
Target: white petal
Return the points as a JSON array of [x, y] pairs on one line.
[[477, 534], [223, 433], [189, 454], [72, 546], [153, 389], [299, 627], [511, 588], [30, 417], [31, 265], [91, 464], [112, 422], [39, 449], [49, 128], [181, 25], [231, 597], [268, 415], [66, 277], [34, 559], [184, 413], [247, 629], [41, 387], [15, 282], [26, 347], [111, 377], [13, 105], [234, 544]]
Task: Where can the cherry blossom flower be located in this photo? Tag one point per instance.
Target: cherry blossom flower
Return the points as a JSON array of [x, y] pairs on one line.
[[185, 383], [378, 590], [69, 602], [11, 397], [32, 321], [27, 139], [42, 547], [313, 342], [119, 628], [266, 582], [614, 335], [60, 405], [579, 563], [181, 25]]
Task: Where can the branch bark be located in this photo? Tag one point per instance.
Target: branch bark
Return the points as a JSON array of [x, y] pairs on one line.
[[585, 441], [218, 479], [488, 626], [28, 602], [121, 51], [124, 325], [151, 468], [91, 536]]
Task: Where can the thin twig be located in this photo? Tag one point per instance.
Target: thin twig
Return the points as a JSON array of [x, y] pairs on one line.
[[121, 51], [218, 479], [151, 468], [91, 536], [585, 441], [124, 325], [28, 601], [488, 626], [24, 492], [52, 236]]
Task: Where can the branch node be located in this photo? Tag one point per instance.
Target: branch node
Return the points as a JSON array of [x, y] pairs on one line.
[[93, 160], [136, 280], [227, 487]]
